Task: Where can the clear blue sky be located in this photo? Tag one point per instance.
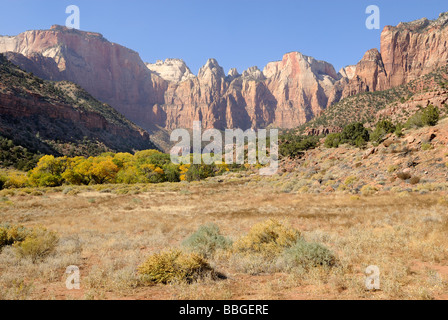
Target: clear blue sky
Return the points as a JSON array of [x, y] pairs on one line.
[[238, 33]]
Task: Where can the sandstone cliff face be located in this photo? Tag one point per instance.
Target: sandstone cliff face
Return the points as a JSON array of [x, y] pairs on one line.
[[110, 72], [171, 70], [302, 87], [408, 51], [34, 112], [166, 94]]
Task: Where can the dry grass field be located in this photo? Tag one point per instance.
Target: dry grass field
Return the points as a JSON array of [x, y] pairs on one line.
[[109, 231]]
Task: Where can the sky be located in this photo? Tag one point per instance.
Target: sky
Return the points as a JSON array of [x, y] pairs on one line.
[[237, 33]]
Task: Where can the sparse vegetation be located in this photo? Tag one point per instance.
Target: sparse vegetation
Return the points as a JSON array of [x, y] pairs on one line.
[[173, 266], [355, 134], [36, 243], [267, 238], [206, 240], [425, 117], [291, 145], [309, 255], [333, 140], [382, 128]]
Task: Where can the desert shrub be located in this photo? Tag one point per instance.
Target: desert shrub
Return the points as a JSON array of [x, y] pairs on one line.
[[350, 180], [174, 266], [198, 172], [309, 254], [10, 234], [16, 180], [268, 238], [404, 175], [291, 145], [426, 146], [399, 130], [382, 128], [38, 244], [431, 115], [333, 140], [355, 134], [426, 117], [360, 142], [414, 180], [67, 190], [206, 240], [392, 168], [368, 190]]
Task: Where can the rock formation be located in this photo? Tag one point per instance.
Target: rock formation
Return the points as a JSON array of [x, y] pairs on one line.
[[41, 115], [174, 70], [167, 95], [408, 51]]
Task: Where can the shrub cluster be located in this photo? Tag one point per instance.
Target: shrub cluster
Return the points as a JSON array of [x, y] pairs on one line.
[[15, 156], [268, 243], [357, 135], [148, 166], [174, 266], [425, 117], [36, 243], [272, 241], [333, 140], [291, 145], [382, 128], [206, 240], [268, 238], [354, 134]]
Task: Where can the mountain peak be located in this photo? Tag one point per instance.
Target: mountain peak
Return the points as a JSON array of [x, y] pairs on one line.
[[174, 70], [211, 67], [253, 73]]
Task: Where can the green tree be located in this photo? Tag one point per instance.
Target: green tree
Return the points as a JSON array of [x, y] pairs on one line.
[[333, 140], [382, 128], [355, 134]]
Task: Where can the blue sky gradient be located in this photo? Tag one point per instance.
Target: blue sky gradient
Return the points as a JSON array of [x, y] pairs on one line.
[[238, 33]]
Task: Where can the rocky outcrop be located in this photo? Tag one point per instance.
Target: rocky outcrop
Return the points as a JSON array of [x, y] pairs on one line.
[[302, 87], [174, 70], [368, 75], [408, 51], [39, 114], [167, 95], [110, 72]]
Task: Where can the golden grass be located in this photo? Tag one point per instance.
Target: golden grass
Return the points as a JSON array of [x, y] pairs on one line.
[[109, 234]]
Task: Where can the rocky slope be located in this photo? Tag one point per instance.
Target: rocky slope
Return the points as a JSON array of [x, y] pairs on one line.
[[61, 118], [396, 104], [416, 162]]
